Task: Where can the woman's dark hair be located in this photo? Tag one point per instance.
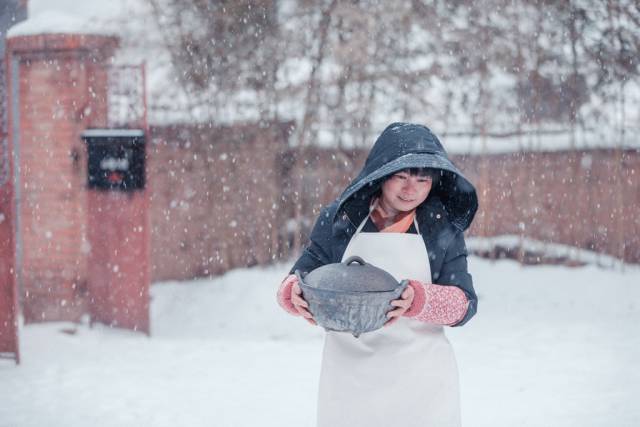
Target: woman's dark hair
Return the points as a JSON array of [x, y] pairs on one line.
[[435, 174], [374, 189]]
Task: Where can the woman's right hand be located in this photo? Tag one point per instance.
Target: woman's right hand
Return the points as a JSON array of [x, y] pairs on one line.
[[300, 304]]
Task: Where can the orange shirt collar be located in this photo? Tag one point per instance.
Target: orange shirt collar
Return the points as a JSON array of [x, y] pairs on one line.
[[398, 224]]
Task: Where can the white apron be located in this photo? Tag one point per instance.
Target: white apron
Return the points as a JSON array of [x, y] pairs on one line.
[[404, 374]]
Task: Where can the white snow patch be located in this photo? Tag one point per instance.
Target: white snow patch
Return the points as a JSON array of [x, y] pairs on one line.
[[550, 345], [553, 250]]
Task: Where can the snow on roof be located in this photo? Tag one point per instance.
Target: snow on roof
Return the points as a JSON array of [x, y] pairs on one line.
[[55, 22], [547, 140], [544, 141], [112, 133]]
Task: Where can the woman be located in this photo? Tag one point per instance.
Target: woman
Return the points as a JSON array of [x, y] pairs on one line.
[[405, 212]]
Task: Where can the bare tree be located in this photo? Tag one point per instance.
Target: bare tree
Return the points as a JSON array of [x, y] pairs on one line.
[[341, 70]]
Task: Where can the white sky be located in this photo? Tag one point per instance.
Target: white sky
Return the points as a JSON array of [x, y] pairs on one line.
[[90, 8]]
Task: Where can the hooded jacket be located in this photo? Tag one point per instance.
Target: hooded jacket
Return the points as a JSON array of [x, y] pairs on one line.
[[442, 217]]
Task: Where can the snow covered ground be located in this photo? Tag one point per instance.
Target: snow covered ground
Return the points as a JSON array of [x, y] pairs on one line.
[[551, 346]]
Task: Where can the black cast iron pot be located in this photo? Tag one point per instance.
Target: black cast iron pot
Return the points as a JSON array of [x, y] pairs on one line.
[[351, 296]]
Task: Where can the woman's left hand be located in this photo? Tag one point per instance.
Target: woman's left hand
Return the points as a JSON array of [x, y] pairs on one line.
[[403, 303]]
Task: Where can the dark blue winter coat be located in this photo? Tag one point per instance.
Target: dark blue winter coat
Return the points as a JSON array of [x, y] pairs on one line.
[[442, 217]]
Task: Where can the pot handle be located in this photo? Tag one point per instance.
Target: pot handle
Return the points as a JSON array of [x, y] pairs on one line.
[[354, 258]]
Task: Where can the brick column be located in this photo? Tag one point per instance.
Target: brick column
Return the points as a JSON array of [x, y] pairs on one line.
[[61, 91]]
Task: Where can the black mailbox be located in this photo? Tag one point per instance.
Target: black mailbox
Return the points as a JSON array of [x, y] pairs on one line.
[[116, 159]]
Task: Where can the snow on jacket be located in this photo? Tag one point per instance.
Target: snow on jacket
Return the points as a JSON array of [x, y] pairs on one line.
[[442, 218]]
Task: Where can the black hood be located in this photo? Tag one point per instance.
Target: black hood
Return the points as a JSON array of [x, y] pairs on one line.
[[406, 145]]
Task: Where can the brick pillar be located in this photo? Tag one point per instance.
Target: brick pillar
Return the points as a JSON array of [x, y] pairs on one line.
[[118, 229], [61, 91]]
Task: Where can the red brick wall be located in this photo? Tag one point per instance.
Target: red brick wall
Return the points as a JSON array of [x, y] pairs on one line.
[[61, 93], [562, 197], [118, 282], [216, 201], [588, 199]]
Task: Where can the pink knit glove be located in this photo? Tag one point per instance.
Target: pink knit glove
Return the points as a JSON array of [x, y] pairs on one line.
[[439, 304], [284, 294]]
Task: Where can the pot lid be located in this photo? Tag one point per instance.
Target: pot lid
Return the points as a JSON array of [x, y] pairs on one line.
[[353, 275]]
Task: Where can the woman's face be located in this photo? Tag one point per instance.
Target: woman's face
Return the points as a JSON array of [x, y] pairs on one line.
[[403, 192]]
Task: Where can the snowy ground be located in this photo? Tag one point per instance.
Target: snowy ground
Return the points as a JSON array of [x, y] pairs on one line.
[[551, 346]]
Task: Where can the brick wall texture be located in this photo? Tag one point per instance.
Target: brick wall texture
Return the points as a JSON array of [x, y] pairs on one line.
[[62, 91], [215, 202], [589, 199]]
